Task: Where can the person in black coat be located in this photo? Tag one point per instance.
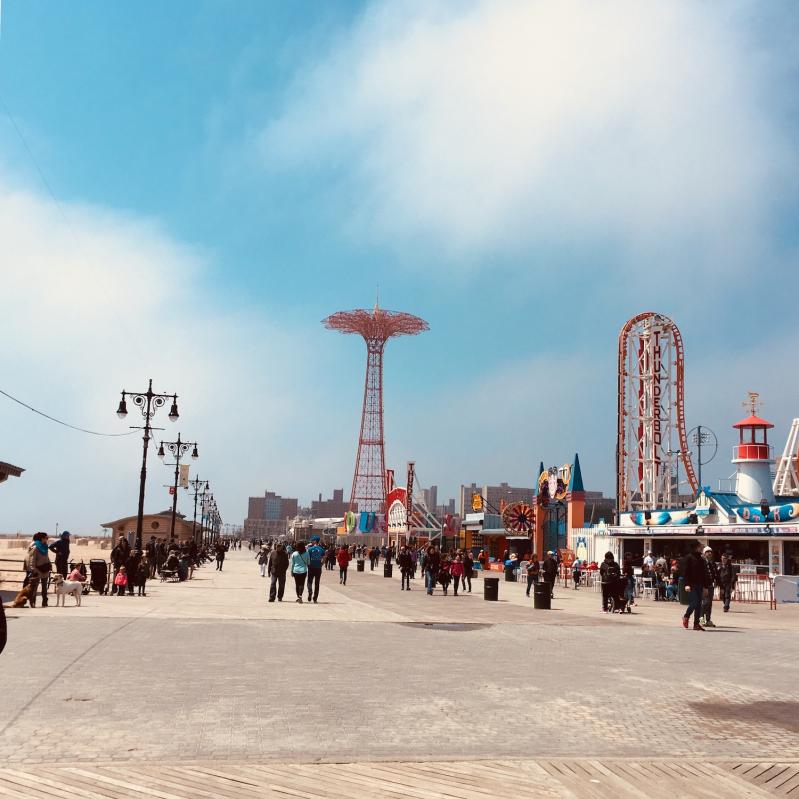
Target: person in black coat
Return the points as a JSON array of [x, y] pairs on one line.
[[728, 577], [550, 570], [119, 557], [276, 569], [610, 574], [405, 562], [61, 550], [696, 579]]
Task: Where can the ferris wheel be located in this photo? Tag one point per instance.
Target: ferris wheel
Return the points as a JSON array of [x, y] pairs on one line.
[[519, 518]]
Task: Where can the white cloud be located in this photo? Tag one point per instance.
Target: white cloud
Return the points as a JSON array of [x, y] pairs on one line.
[[92, 302], [486, 127]]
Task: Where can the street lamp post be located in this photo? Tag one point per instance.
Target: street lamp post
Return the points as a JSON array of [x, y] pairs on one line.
[[178, 449], [199, 490], [148, 403], [205, 514]]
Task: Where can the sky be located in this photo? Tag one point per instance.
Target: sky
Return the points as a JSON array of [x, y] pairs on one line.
[[188, 188]]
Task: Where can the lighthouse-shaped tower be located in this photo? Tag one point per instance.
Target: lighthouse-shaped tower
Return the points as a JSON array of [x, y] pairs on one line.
[[753, 457]]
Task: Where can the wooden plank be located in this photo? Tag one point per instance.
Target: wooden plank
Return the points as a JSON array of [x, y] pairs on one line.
[[181, 782], [35, 783], [790, 785], [113, 783]]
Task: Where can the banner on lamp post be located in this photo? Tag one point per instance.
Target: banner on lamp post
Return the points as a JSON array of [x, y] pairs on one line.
[[184, 475]]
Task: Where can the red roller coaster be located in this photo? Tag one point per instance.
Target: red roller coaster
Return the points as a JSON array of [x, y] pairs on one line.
[[651, 417]]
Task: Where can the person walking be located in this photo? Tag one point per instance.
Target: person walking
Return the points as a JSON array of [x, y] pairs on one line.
[[444, 573], [405, 563], [468, 570], [37, 568], [610, 574], [456, 570], [263, 557], [533, 572], [343, 558], [220, 550], [61, 550], [316, 554], [707, 599], [577, 570], [276, 568], [432, 562], [550, 570], [298, 563], [696, 578], [728, 577]]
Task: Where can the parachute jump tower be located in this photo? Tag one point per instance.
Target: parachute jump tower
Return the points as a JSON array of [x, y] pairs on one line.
[[651, 416], [376, 327]]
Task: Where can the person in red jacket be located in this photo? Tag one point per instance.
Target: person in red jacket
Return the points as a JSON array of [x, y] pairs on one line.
[[343, 557], [456, 570]]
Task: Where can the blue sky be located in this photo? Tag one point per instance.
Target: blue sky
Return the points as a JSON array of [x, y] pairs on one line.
[[523, 176]]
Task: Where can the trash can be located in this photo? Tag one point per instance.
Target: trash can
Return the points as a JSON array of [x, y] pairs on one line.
[[491, 589], [361, 565], [388, 570], [684, 596], [542, 597], [510, 574]]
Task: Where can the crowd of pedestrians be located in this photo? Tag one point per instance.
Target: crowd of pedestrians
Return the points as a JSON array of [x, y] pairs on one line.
[[131, 568]]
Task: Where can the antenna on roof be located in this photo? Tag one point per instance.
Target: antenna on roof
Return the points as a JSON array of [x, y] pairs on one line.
[[753, 403]]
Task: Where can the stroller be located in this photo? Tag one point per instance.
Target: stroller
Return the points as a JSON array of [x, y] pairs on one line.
[[99, 575], [618, 598]]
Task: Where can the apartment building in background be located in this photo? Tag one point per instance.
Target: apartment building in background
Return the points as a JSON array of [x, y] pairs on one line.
[[267, 515]]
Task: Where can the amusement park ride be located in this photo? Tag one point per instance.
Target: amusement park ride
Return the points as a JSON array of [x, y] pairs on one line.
[[376, 327], [651, 446], [652, 440]]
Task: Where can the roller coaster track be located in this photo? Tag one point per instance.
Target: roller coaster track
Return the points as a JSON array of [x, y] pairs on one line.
[[633, 445]]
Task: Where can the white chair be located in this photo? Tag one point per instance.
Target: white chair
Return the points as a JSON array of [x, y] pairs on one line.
[[647, 587]]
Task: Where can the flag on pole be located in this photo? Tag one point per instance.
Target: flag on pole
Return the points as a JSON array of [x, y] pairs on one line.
[[184, 475]]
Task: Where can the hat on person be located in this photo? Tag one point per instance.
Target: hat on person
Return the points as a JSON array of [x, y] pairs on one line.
[[707, 549], [65, 534]]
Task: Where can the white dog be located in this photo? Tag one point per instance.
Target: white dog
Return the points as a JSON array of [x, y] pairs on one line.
[[64, 587]]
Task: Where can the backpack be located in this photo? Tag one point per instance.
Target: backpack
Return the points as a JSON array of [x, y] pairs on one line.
[[315, 554]]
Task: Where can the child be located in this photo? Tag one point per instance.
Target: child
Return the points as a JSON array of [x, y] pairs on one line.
[[121, 581], [444, 574], [140, 578], [78, 574]]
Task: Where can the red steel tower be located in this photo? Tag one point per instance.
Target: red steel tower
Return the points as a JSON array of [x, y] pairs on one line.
[[376, 327]]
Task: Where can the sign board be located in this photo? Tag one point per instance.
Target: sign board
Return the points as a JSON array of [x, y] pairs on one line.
[[184, 475], [786, 589]]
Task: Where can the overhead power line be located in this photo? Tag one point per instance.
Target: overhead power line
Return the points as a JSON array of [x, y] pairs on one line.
[[65, 424]]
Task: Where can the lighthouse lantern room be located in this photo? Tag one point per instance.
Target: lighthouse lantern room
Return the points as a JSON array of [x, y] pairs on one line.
[[753, 457]]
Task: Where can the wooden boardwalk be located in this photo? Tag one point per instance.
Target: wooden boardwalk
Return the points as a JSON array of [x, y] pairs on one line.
[[588, 779]]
